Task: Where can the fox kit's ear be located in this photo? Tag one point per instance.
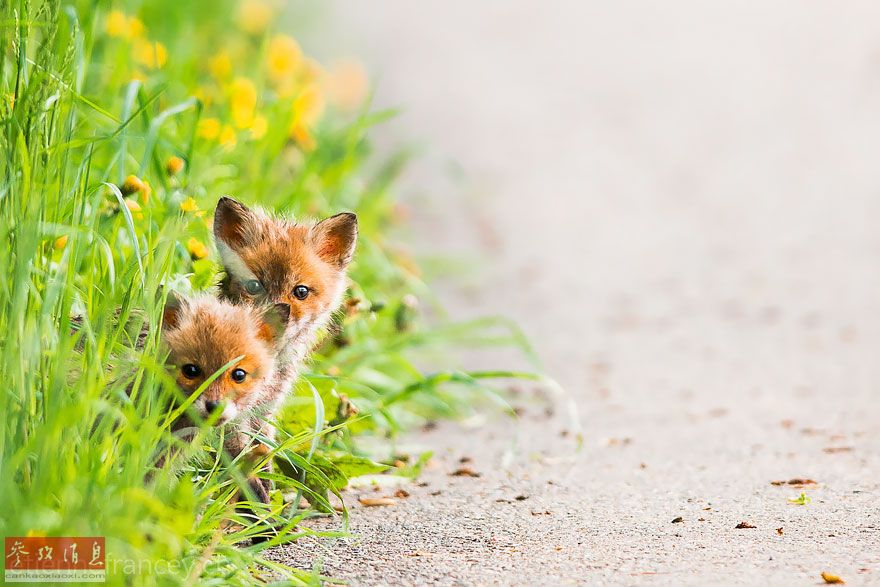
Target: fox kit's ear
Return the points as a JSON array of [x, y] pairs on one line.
[[335, 239], [274, 322], [171, 313], [230, 219]]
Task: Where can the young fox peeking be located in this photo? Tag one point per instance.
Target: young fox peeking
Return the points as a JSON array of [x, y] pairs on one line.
[[273, 260], [202, 335]]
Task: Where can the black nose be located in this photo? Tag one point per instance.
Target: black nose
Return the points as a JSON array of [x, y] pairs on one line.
[[211, 405]]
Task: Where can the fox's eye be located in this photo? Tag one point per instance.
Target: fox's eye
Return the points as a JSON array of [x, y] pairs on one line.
[[238, 375], [253, 287], [301, 292], [190, 371]]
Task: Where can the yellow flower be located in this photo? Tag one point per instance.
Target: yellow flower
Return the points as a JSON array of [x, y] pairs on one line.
[[131, 185], [220, 65], [209, 128], [227, 137], [174, 165], [283, 59], [259, 127], [123, 27], [134, 208], [117, 24], [136, 28], [300, 133], [347, 84], [150, 54], [308, 106], [254, 16], [60, 242], [189, 205], [243, 102], [196, 248], [146, 192]]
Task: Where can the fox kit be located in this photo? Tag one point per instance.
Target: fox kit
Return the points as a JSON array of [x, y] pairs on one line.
[[273, 260], [202, 335]]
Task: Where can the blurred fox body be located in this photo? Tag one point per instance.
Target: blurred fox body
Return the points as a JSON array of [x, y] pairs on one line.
[[270, 260], [203, 335]]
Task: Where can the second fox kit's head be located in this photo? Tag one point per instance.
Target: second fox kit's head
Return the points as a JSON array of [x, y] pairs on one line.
[[203, 334], [268, 259]]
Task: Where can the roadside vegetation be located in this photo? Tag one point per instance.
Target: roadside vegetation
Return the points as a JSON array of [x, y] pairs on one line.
[[120, 126]]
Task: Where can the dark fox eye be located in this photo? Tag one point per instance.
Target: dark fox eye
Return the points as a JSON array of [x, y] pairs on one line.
[[190, 371], [238, 375], [253, 287], [301, 292]]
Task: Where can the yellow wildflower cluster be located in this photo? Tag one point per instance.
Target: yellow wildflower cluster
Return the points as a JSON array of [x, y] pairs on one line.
[[234, 102], [150, 54], [122, 26]]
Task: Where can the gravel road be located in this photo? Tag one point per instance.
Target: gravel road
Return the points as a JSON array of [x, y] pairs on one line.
[[679, 203]]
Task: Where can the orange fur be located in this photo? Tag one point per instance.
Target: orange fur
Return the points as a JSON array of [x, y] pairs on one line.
[[209, 333], [280, 255]]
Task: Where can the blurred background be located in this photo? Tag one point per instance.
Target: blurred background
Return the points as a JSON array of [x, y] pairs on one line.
[[678, 202], [687, 190]]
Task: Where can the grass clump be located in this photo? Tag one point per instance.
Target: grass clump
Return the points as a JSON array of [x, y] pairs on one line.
[[120, 126]]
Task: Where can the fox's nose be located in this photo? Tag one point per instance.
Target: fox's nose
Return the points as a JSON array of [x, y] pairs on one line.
[[211, 405]]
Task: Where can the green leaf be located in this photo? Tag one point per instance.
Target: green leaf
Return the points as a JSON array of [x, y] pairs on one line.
[[353, 466]]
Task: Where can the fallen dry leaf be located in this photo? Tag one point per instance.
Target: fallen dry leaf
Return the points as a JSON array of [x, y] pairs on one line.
[[744, 525], [797, 481], [464, 472], [833, 579], [376, 501], [678, 520], [779, 530], [617, 441]]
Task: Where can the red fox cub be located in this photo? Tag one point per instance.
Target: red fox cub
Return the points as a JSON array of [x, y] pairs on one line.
[[273, 260], [202, 335]]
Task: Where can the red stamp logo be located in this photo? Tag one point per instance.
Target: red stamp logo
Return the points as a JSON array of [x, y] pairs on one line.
[[54, 559]]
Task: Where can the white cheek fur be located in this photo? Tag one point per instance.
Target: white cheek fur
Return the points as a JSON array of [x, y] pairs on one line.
[[230, 412], [233, 263]]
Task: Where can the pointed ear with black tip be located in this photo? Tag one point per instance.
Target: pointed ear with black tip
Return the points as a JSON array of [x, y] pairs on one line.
[[171, 313], [335, 239], [274, 322], [230, 220]]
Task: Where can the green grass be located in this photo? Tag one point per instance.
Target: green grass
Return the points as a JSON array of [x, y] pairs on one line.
[[87, 99]]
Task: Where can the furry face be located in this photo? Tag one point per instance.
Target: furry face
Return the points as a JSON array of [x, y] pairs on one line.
[[204, 334], [279, 261]]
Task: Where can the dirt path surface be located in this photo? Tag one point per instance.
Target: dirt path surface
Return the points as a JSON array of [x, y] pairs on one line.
[[680, 205]]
